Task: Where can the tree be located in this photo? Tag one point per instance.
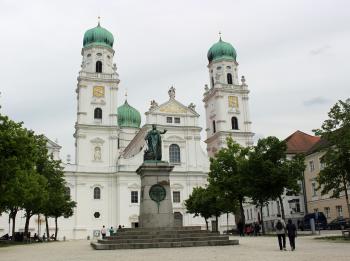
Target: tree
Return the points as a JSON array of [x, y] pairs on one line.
[[271, 174], [57, 203], [335, 131], [259, 175], [35, 194], [203, 202], [227, 175], [17, 161]]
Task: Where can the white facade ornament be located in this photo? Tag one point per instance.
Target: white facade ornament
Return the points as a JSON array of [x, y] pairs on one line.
[[243, 81], [97, 154], [171, 92], [97, 141], [154, 105], [192, 106]]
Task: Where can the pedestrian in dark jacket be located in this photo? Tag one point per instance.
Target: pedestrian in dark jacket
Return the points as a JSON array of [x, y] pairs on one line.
[[292, 233]]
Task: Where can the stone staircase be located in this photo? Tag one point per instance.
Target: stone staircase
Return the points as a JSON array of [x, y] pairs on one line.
[[191, 236]]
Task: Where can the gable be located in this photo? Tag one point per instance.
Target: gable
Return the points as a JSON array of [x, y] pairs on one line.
[[173, 107]]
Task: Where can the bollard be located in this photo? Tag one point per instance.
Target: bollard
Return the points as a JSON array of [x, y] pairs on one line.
[[312, 226]]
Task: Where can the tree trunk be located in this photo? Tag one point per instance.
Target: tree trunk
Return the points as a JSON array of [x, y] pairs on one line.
[[227, 222], [262, 219], [282, 207], [206, 223], [56, 228], [26, 227], [242, 210], [47, 228], [13, 215], [346, 195], [217, 223]]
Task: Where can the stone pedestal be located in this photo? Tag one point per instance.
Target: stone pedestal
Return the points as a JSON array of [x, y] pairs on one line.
[[152, 214]]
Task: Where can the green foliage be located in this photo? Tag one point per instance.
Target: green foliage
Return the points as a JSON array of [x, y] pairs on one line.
[[227, 176], [204, 202], [29, 178], [335, 132], [270, 174]]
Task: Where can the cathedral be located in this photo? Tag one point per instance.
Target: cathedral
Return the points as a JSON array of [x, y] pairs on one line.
[[109, 140]]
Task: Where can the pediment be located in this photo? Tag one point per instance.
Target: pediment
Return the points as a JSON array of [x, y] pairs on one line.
[[174, 139], [174, 107], [97, 141], [134, 186], [176, 186]]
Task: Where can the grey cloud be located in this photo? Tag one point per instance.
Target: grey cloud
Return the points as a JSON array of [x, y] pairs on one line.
[[316, 101], [320, 50]]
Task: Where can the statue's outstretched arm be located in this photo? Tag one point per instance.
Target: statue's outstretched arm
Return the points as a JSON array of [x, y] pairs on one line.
[[164, 131]]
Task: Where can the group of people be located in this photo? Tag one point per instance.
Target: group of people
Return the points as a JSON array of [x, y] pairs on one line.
[[249, 229], [111, 231], [282, 229]]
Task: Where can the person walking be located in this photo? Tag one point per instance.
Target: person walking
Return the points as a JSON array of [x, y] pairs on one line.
[[280, 228], [292, 233], [103, 232]]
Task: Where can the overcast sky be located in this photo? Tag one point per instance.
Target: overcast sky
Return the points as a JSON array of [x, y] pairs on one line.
[[294, 54]]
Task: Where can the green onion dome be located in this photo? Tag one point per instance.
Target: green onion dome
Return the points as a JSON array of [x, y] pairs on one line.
[[128, 116], [221, 50], [98, 36]]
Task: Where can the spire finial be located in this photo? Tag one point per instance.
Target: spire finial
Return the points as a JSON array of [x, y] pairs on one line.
[[99, 19], [126, 94], [220, 35]]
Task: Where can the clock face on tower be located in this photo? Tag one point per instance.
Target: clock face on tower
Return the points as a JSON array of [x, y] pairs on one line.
[[98, 91]]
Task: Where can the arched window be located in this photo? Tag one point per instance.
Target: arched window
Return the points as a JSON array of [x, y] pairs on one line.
[[229, 78], [97, 193], [214, 127], [174, 153], [234, 123], [98, 66], [98, 113]]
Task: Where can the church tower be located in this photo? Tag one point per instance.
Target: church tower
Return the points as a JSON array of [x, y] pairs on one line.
[[96, 132], [226, 100]]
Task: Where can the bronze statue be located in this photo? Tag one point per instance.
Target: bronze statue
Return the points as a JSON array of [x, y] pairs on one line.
[[154, 144]]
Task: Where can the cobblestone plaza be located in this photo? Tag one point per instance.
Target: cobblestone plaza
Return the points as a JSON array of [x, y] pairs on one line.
[[250, 248]]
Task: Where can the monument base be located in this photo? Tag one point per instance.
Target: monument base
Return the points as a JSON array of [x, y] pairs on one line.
[[156, 209]]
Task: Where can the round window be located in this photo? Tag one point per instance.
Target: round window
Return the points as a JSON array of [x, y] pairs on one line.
[[97, 214]]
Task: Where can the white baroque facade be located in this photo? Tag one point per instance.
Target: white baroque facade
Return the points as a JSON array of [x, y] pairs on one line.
[[109, 141]]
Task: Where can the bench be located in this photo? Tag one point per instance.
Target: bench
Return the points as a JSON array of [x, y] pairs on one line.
[[346, 233]]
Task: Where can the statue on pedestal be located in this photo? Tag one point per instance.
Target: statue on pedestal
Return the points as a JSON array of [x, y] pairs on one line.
[[154, 144]]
